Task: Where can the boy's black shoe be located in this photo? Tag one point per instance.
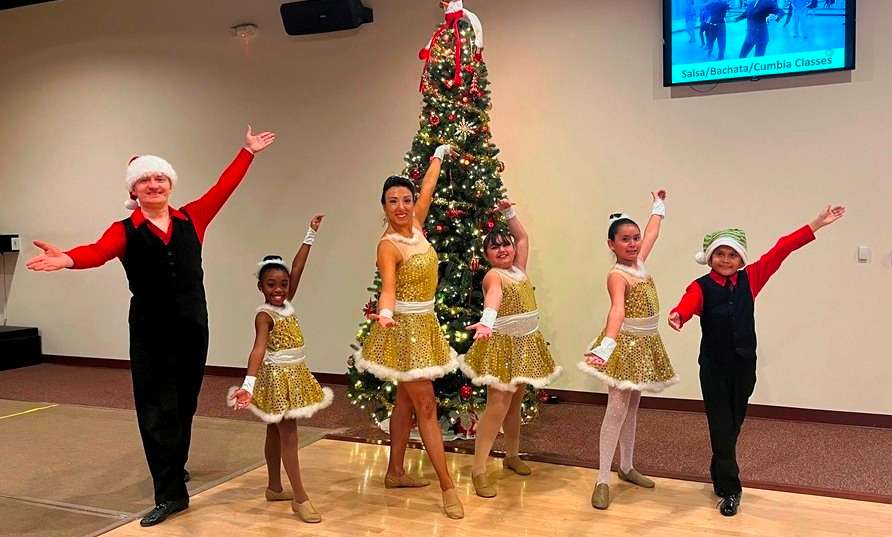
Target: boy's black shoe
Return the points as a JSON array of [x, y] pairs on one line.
[[163, 510], [729, 504]]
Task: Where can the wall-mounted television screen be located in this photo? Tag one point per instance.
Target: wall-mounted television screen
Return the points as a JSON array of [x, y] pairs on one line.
[[722, 40]]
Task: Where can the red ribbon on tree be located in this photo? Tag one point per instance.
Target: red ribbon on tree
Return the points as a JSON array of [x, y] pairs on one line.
[[425, 53]]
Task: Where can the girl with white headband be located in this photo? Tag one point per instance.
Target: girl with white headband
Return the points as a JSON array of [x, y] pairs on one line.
[[279, 387], [628, 355]]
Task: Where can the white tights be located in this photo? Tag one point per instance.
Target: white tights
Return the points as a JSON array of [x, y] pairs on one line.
[[619, 424]]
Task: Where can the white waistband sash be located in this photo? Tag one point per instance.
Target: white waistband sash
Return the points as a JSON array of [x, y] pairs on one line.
[[414, 307], [285, 356], [642, 326], [517, 325]]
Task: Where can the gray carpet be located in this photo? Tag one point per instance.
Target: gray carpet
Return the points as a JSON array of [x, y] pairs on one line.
[[73, 471]]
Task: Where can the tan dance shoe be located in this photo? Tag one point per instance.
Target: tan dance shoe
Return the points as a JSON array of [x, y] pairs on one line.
[[516, 465], [636, 478], [452, 505], [483, 486], [601, 496], [273, 496], [306, 512], [403, 481]]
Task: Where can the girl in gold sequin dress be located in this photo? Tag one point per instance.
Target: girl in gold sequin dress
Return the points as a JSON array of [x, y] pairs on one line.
[[279, 387], [509, 351], [406, 344], [629, 354]]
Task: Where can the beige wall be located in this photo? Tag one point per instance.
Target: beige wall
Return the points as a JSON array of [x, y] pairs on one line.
[[580, 115]]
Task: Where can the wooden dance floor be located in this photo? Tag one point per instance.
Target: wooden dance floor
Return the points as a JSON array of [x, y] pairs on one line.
[[345, 481]]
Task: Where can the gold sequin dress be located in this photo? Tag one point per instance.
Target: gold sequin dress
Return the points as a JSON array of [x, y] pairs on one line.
[[285, 387], [639, 361], [415, 347], [516, 353]]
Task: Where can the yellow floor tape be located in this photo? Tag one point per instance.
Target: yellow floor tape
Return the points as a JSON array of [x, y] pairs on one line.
[[27, 411]]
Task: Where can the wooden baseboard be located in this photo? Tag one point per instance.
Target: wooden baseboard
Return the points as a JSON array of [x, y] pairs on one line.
[[812, 415], [835, 417]]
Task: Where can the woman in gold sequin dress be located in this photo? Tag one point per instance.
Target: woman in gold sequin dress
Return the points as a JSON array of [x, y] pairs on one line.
[[279, 387], [405, 344], [509, 351], [629, 354]]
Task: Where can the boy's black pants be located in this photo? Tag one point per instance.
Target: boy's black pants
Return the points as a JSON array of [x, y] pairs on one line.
[[726, 387]]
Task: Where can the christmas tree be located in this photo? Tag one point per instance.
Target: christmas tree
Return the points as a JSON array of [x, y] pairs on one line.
[[456, 101]]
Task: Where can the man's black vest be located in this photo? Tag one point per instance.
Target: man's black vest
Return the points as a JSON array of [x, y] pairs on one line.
[[727, 321], [165, 279]]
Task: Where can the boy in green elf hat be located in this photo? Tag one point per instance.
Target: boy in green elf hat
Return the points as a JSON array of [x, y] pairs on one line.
[[724, 299]]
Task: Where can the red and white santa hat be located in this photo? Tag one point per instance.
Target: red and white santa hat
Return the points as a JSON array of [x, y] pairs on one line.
[[142, 166]]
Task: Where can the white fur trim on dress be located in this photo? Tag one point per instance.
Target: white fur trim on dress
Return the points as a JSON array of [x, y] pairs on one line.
[[145, 165], [495, 382], [294, 413], [638, 271], [285, 310], [652, 387], [387, 373], [411, 241]]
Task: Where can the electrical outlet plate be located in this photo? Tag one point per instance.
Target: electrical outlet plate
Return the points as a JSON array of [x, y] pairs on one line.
[[863, 254], [16, 244]]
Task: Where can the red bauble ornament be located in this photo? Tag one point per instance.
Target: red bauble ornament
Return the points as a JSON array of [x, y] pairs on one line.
[[484, 128], [440, 228], [434, 120], [451, 116], [490, 224], [542, 396], [474, 264], [415, 173], [450, 84], [465, 99], [466, 391], [478, 56], [468, 68]]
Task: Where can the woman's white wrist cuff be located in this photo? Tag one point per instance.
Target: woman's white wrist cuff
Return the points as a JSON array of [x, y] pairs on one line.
[[441, 151], [509, 213], [659, 208], [386, 313]]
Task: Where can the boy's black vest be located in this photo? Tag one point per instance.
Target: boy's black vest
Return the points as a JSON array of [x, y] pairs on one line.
[[165, 279], [727, 321]]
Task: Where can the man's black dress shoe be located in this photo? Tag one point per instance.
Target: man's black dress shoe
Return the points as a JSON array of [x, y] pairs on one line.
[[730, 504], [163, 510]]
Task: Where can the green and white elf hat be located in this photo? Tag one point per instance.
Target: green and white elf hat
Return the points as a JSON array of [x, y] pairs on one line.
[[733, 238]]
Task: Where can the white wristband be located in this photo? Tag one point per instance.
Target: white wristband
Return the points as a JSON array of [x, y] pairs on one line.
[[488, 319], [386, 313], [605, 349], [441, 151], [310, 237], [509, 213], [248, 384], [659, 208]]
